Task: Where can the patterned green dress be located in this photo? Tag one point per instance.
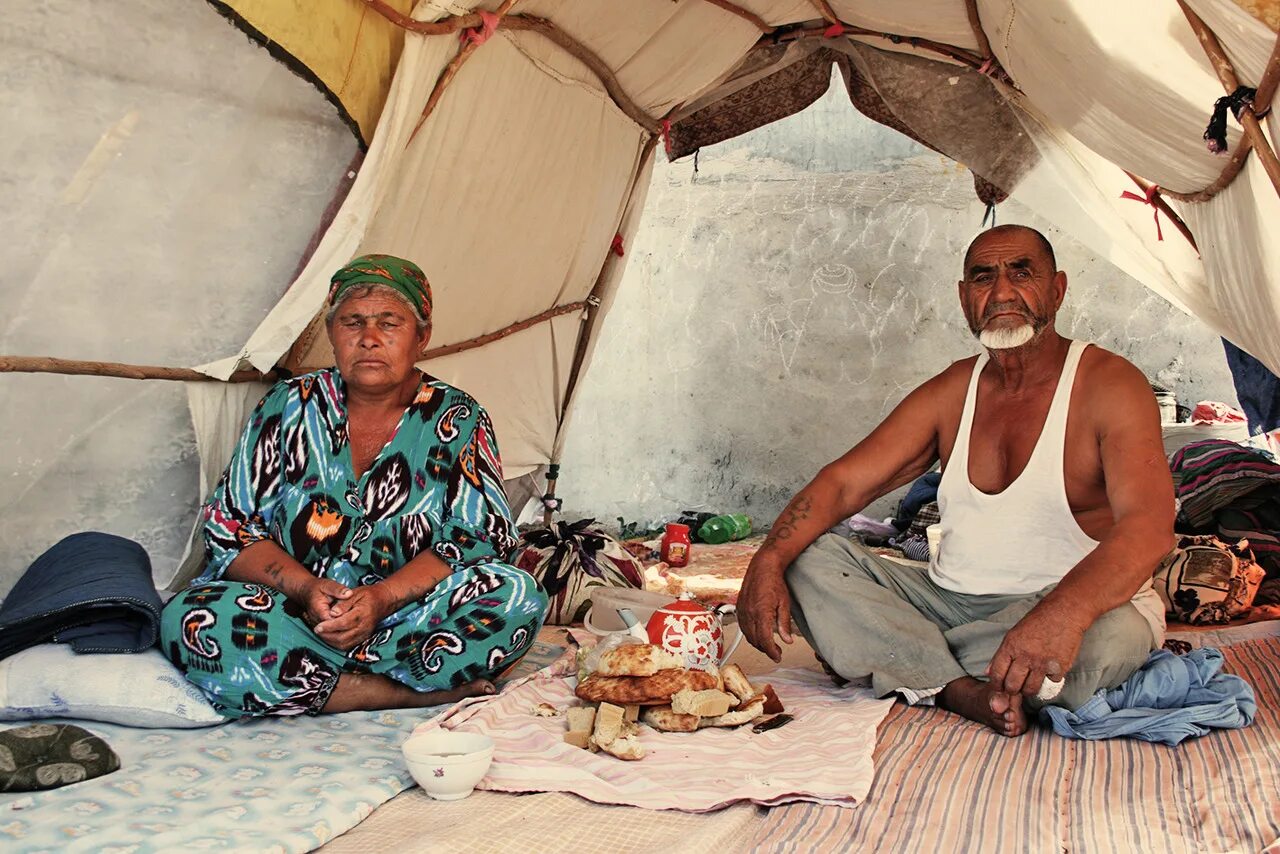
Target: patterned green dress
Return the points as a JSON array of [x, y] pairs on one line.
[[437, 484]]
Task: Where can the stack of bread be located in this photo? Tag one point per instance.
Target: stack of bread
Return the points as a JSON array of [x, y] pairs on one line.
[[643, 683]]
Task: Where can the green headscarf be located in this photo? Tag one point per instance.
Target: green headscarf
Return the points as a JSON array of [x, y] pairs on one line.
[[402, 276]]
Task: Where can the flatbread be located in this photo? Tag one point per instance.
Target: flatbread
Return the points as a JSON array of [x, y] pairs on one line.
[[655, 690], [662, 718], [744, 714], [736, 683], [637, 659]]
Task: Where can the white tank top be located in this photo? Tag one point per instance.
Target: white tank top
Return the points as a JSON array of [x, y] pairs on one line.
[[1025, 538]]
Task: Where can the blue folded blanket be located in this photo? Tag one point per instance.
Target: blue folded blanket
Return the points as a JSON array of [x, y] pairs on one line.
[[91, 590], [1169, 699]]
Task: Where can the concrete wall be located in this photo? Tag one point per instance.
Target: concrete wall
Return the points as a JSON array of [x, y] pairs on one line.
[[161, 177], [779, 302]]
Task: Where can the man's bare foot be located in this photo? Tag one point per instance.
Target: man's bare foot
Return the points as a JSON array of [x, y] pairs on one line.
[[835, 677], [367, 691], [978, 701]]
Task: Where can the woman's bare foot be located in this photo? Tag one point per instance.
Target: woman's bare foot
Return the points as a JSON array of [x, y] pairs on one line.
[[474, 688], [978, 701], [367, 692]]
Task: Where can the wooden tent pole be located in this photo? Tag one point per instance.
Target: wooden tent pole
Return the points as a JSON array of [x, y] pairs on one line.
[[446, 77], [80, 367], [1267, 85], [960, 55], [1164, 208], [824, 9], [1227, 74], [490, 337], [1238, 156], [597, 290], [589, 323], [761, 24], [529, 23], [975, 21]]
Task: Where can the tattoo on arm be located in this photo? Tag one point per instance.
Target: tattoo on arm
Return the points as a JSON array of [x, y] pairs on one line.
[[276, 572], [785, 528]]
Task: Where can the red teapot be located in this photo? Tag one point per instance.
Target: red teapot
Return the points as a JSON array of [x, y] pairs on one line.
[[687, 628]]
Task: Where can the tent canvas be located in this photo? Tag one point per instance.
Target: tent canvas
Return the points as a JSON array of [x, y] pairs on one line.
[[513, 159]]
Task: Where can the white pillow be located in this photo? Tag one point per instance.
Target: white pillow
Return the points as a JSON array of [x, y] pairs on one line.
[[142, 689]]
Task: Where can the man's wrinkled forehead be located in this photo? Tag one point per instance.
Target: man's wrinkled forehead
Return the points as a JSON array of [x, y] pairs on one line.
[[1022, 242], [982, 266]]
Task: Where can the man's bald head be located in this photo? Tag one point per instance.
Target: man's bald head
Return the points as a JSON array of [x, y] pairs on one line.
[[1039, 238]]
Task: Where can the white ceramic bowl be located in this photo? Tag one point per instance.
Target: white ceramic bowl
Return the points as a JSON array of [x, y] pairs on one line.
[[448, 765]]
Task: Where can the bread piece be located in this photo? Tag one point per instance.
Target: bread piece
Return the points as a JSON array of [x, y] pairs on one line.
[[737, 684], [631, 712], [637, 659], [577, 739], [662, 718], [655, 690], [544, 710], [715, 671], [772, 705], [608, 724], [744, 714], [628, 748], [704, 704], [582, 718]]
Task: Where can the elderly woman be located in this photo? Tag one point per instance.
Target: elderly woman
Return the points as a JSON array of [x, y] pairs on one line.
[[356, 542]]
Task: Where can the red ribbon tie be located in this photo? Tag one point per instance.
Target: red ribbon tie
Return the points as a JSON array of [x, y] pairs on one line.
[[1148, 199]]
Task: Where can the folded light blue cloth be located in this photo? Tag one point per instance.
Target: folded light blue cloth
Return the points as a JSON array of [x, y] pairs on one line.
[[1169, 699]]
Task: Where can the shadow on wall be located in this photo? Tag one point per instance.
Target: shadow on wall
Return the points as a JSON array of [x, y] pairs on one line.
[[774, 310]]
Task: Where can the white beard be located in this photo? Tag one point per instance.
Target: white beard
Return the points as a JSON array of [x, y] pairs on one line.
[[1006, 337]]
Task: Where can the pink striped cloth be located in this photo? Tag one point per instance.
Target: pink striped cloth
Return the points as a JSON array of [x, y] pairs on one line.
[[824, 756]]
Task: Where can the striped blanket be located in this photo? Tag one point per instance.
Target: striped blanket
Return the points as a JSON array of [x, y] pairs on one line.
[[695, 772], [946, 785]]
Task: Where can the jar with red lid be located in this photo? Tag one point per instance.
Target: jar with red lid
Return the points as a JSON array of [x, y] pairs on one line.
[[675, 545]]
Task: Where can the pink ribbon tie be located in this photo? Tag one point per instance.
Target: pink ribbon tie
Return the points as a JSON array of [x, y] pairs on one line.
[[1148, 199], [479, 35]]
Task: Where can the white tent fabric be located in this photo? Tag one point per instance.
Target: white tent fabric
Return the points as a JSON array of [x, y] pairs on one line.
[[511, 192]]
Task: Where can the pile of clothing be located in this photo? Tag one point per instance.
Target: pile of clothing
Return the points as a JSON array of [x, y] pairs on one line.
[[1232, 492]]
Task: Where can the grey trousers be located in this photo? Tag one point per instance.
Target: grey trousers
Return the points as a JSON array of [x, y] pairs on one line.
[[869, 616]]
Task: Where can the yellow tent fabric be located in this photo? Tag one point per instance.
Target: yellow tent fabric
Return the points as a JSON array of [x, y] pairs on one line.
[[351, 50]]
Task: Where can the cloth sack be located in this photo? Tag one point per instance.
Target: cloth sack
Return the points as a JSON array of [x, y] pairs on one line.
[[570, 560], [1204, 581], [46, 756]]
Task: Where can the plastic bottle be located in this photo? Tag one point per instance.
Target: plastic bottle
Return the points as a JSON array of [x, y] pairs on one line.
[[675, 545], [722, 529]]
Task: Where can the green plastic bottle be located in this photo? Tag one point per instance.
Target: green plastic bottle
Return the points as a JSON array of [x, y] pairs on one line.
[[722, 529]]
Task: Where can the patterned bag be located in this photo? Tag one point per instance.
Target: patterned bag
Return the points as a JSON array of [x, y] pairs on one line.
[[46, 756], [569, 560], [1204, 581]]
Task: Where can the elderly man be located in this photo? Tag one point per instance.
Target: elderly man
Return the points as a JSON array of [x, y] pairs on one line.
[[356, 543], [1056, 503]]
